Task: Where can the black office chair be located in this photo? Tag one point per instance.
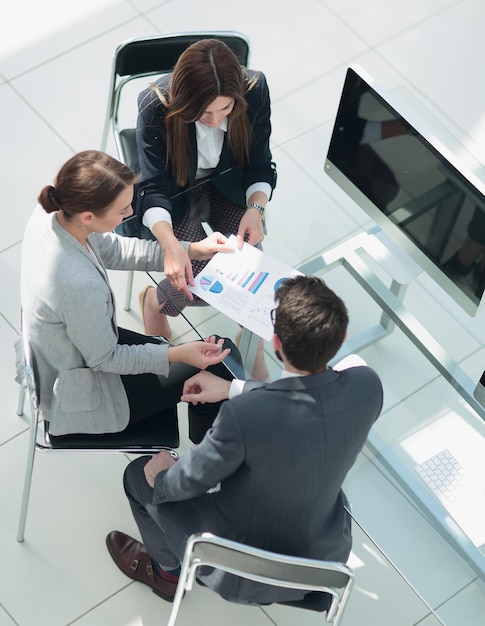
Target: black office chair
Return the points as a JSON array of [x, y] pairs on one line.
[[327, 583], [152, 56], [145, 437], [145, 57]]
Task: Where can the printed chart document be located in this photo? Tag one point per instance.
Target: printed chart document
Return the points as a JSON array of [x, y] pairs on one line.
[[241, 284]]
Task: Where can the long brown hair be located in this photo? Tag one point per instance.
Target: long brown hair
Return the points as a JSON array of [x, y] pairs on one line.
[[88, 181], [205, 70]]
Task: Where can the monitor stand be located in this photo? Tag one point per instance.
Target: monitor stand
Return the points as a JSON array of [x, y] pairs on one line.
[[403, 271]]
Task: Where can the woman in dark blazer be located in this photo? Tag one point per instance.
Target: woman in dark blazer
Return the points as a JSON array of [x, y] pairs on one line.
[[203, 149]]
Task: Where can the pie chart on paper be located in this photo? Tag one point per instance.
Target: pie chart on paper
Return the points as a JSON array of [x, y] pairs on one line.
[[208, 283], [278, 282]]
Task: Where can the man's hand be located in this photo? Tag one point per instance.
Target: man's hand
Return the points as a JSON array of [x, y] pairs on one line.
[[158, 463], [200, 354], [205, 387]]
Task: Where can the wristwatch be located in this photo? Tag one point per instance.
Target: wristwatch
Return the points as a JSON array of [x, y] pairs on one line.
[[254, 205]]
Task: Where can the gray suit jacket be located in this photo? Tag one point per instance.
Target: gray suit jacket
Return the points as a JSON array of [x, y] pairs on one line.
[[280, 453], [70, 312]]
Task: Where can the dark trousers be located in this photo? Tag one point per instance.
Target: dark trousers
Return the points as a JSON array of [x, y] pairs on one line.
[[150, 394], [148, 516]]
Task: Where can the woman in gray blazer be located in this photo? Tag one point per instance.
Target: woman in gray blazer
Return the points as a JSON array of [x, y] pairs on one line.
[[91, 373]]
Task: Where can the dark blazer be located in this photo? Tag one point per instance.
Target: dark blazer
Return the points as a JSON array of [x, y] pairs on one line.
[[158, 188], [280, 452]]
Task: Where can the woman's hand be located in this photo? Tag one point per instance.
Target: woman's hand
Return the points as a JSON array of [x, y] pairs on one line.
[[199, 354], [206, 248], [250, 228], [178, 268], [176, 264]]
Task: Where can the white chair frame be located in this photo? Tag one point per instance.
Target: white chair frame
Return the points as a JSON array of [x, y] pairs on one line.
[[39, 437], [290, 572]]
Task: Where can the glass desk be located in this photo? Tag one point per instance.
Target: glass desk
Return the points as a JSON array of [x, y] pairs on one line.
[[447, 426], [429, 403], [436, 434], [381, 579], [432, 442]]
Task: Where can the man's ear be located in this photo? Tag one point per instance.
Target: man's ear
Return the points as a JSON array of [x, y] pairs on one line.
[[276, 342]]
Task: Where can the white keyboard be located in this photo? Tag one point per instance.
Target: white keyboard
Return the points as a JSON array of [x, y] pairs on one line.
[[464, 498]]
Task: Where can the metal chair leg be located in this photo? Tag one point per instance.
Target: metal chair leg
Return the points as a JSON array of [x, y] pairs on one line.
[[28, 477], [21, 401], [179, 594], [129, 291]]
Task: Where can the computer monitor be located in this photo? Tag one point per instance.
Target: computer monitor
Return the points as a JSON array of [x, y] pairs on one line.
[[411, 186]]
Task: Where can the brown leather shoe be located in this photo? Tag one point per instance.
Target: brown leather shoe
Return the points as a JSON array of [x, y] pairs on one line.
[[135, 562]]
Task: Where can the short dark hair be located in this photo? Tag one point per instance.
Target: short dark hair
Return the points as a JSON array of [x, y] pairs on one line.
[[311, 322]]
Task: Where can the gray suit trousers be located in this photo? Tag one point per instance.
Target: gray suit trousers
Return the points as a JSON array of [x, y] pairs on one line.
[[148, 516]]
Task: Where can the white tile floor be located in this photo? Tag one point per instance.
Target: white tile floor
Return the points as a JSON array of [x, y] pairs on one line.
[[55, 61]]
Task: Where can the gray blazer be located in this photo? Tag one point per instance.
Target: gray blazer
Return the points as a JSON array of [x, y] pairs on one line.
[[280, 453], [70, 312]]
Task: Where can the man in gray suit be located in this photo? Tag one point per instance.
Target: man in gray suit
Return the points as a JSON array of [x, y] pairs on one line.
[[270, 471]]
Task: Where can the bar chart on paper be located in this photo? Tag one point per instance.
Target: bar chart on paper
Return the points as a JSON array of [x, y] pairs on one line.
[[252, 281], [241, 284]]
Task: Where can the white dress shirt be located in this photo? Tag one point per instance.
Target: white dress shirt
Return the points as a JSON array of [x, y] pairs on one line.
[[209, 148], [237, 385]]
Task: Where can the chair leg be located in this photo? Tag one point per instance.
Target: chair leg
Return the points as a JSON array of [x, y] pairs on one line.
[[179, 594], [29, 468], [21, 401], [129, 290], [181, 587]]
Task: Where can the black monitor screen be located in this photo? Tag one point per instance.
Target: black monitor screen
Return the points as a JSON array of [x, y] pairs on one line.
[[404, 180]]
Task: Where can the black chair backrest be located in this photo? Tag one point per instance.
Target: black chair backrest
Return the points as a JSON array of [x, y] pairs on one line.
[[159, 54]]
